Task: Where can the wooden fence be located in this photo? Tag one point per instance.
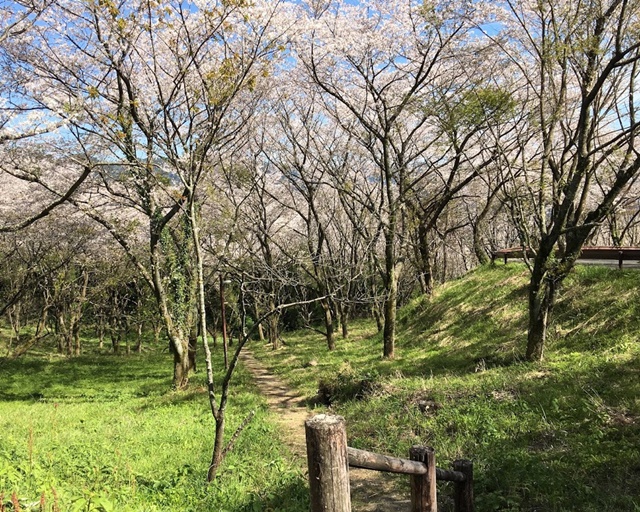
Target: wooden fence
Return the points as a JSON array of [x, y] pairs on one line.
[[619, 254], [329, 459]]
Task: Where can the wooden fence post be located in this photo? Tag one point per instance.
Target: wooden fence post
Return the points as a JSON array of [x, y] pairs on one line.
[[463, 491], [328, 463], [423, 487]]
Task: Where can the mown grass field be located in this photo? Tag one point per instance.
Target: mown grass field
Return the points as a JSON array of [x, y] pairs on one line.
[[561, 435], [106, 433]]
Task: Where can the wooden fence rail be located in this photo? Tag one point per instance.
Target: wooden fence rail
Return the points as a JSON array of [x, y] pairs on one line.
[[619, 254], [329, 459]]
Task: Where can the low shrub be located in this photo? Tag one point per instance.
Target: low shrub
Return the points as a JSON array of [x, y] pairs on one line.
[[348, 384]]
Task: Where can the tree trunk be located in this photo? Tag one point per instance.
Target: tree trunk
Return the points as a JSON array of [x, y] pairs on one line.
[[193, 345], [115, 340], [101, 332], [223, 324], [218, 447], [75, 315], [260, 328], [68, 341], [16, 323], [542, 290], [65, 345], [375, 310], [42, 322], [537, 332], [478, 227], [328, 324], [12, 332], [428, 277], [180, 369], [138, 347], [390, 304], [426, 267], [76, 339], [343, 312], [157, 329], [272, 324]]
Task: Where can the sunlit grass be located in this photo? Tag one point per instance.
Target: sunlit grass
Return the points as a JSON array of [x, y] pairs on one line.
[[101, 432]]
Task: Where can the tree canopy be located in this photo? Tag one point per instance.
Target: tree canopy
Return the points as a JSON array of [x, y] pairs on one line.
[[336, 156]]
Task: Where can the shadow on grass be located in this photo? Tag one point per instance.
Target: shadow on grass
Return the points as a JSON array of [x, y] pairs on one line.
[[240, 392], [544, 437], [577, 446], [103, 377]]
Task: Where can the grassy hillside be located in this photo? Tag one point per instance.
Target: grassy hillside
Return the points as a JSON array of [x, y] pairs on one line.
[[559, 435], [102, 433]]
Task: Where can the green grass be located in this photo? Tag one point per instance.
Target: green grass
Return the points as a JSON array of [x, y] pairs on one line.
[[559, 435], [101, 432]]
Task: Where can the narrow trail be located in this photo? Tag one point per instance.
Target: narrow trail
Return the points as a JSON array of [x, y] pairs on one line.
[[370, 491]]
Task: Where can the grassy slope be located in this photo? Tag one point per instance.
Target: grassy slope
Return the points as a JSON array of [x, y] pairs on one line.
[[560, 435], [107, 433]]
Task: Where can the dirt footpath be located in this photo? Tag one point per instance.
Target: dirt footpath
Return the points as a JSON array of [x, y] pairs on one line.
[[370, 491]]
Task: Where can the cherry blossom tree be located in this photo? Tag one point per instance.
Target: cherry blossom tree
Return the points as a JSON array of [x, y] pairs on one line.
[[300, 144], [577, 66], [147, 91], [377, 64], [27, 128]]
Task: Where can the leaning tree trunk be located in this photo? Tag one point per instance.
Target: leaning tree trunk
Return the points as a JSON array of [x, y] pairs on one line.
[[42, 321], [478, 246], [478, 227]]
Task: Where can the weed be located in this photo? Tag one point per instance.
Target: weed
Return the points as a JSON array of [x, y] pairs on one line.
[[15, 502]]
